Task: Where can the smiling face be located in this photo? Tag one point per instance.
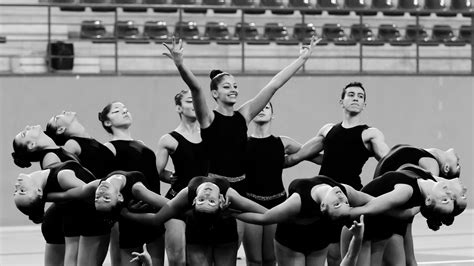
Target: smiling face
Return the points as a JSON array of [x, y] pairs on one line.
[[227, 91], [119, 116], [353, 100], [207, 198], [335, 203], [107, 196], [265, 115]]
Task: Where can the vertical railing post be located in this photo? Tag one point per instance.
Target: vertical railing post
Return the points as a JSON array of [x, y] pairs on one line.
[[116, 41], [417, 43], [242, 42], [49, 47], [472, 43], [361, 67]]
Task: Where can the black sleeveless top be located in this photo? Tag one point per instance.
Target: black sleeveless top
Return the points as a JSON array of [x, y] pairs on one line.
[[398, 155], [225, 141], [386, 183], [309, 208], [52, 183], [222, 183], [189, 160], [95, 156], [344, 155], [62, 154], [132, 155], [264, 165], [415, 171], [131, 178]]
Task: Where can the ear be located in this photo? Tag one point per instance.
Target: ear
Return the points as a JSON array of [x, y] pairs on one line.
[[31, 145], [194, 202], [323, 207], [428, 201], [120, 197], [340, 101], [39, 191], [60, 130], [179, 109], [107, 123], [446, 168], [214, 94]]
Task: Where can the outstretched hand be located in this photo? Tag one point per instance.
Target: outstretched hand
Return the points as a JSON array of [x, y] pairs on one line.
[[143, 257], [357, 228], [306, 50], [175, 51]]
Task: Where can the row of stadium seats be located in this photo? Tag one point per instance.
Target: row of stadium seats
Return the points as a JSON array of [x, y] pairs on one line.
[[335, 7], [157, 31]]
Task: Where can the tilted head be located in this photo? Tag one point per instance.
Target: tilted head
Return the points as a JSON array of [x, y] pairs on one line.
[[28, 196], [266, 115], [29, 144], [107, 196], [184, 104], [335, 204], [115, 114], [58, 127]]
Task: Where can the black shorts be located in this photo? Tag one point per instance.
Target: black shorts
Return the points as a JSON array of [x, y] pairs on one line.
[[93, 223], [134, 235], [302, 238], [381, 227], [52, 226], [222, 230]]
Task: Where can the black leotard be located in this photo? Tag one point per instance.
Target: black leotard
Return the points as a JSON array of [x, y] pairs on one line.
[[189, 160], [344, 154], [95, 156], [264, 167]]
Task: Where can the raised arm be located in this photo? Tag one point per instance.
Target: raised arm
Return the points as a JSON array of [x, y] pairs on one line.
[[280, 213], [383, 203], [355, 245], [252, 107], [177, 205], [377, 142], [142, 193], [203, 114], [310, 149]]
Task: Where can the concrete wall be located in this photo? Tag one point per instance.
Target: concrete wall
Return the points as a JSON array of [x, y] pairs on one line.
[[423, 111]]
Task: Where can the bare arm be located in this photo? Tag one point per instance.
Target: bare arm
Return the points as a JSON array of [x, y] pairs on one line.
[[377, 142], [243, 204], [310, 149], [355, 245], [142, 193], [252, 107], [203, 114], [83, 192], [73, 147], [381, 204], [430, 165], [357, 198], [280, 213], [177, 205], [166, 145]]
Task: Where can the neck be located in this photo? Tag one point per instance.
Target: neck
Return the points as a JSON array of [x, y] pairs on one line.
[[425, 186], [351, 120], [121, 134], [117, 181], [262, 130], [319, 191], [43, 178], [225, 109], [77, 130], [188, 125]]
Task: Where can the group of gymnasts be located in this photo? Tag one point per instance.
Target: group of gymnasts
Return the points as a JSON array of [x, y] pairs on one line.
[[226, 187]]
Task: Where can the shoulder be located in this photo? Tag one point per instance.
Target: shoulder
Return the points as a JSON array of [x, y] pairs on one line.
[[72, 146], [167, 141], [371, 133], [323, 131], [111, 147]]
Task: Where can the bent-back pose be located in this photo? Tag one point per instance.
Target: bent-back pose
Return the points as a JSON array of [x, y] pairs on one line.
[[207, 198]]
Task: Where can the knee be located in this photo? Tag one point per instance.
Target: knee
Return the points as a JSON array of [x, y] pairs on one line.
[[252, 262]]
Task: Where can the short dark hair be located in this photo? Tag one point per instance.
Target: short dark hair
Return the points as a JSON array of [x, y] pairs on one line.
[[353, 84], [22, 157]]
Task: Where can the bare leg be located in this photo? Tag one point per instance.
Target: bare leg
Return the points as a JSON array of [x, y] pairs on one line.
[[334, 254], [317, 258], [115, 256], [268, 247], [157, 251], [72, 247], [54, 254], [199, 255], [175, 241], [394, 253], [92, 250], [409, 248], [225, 254], [287, 257], [376, 252], [252, 241]]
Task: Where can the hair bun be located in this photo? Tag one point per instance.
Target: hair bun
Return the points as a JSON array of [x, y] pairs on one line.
[[19, 162], [214, 73]]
